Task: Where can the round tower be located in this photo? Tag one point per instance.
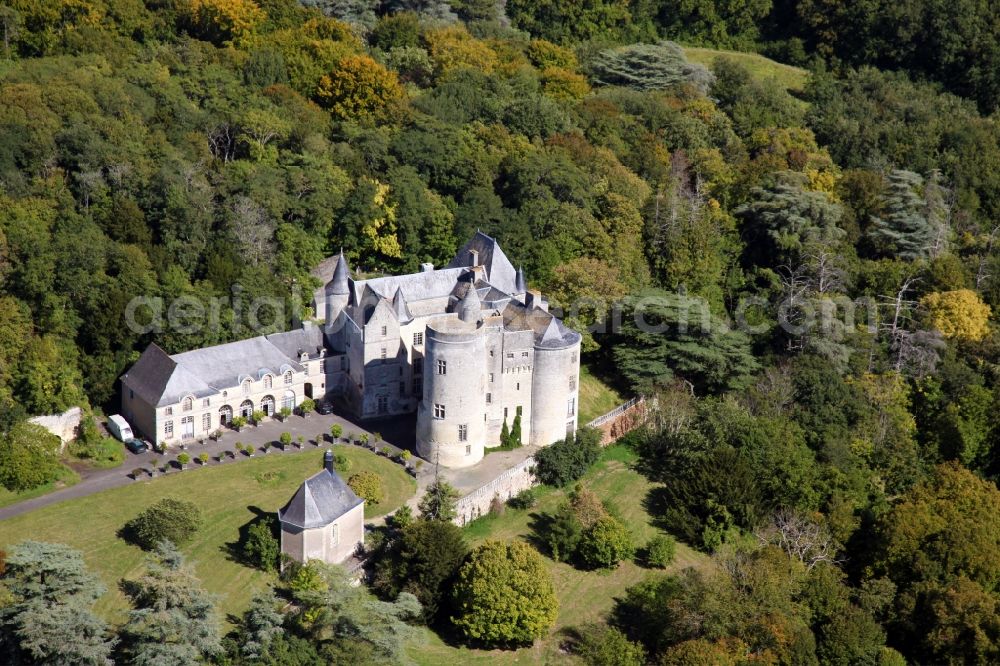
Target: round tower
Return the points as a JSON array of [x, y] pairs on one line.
[[451, 426], [554, 385]]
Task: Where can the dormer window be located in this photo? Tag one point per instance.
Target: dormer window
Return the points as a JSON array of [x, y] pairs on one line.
[[188, 404], [246, 387], [267, 381]]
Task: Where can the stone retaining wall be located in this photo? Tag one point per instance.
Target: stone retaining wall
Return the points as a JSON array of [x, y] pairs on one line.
[[64, 426]]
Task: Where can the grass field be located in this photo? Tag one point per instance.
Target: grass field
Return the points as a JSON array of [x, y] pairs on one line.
[[596, 397], [793, 79], [584, 596], [230, 496]]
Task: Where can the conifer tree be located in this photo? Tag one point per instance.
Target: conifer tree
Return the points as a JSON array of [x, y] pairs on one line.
[[50, 619], [438, 503], [505, 434], [515, 431], [905, 231], [173, 620]]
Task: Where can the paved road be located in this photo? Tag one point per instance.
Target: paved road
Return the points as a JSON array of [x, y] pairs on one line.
[[398, 432]]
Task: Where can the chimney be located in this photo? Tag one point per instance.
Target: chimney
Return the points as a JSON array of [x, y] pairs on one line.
[[328, 461], [426, 267], [473, 257], [533, 298]]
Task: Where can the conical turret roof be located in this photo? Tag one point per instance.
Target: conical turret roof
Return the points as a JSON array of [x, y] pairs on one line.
[[341, 274]]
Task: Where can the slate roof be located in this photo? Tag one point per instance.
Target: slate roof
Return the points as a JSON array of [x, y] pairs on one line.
[[320, 500], [499, 271], [162, 380]]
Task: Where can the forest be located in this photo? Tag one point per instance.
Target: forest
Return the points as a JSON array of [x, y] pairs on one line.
[[838, 242]]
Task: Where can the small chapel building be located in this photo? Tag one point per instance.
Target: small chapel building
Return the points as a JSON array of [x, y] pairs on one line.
[[324, 520]]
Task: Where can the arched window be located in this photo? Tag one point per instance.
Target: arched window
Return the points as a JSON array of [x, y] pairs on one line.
[[188, 404], [246, 409], [225, 415], [288, 378], [288, 401], [246, 387], [267, 381], [267, 405]]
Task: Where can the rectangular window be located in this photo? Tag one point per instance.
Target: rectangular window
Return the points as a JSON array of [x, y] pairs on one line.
[[384, 330], [402, 388], [418, 339], [288, 378], [489, 398], [505, 412], [572, 383], [322, 366], [519, 410], [571, 407], [168, 429], [573, 358], [131, 394], [334, 535], [382, 353], [206, 402], [491, 353], [518, 385], [418, 385], [442, 367], [206, 422], [491, 378], [524, 354], [169, 411], [187, 427], [438, 411], [463, 433], [468, 449], [343, 363], [510, 354]]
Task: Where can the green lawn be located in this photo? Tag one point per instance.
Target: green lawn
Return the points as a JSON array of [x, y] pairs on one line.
[[229, 495], [596, 397], [793, 79], [584, 596]]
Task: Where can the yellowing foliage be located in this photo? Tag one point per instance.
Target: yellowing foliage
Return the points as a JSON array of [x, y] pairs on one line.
[[958, 314], [545, 54], [453, 47], [564, 85], [380, 231], [226, 21], [361, 89]]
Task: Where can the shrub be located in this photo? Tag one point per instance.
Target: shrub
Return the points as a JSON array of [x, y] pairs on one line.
[[307, 406], [29, 457], [258, 416], [341, 462], [504, 595], [300, 440], [364, 439], [606, 543], [138, 471], [203, 458], [660, 551], [405, 456], [601, 645], [284, 413], [336, 430], [168, 519], [568, 459], [261, 547], [385, 451], [183, 459], [368, 486], [285, 438], [402, 517], [238, 422], [526, 499]]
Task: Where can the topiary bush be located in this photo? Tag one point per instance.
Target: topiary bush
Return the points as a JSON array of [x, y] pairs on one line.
[[368, 486], [168, 519], [660, 551]]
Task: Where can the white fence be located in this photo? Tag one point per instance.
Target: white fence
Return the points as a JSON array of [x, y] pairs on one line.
[[615, 413]]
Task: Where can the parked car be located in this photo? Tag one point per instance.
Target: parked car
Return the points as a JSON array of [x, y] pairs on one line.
[[324, 407], [119, 428], [136, 445]]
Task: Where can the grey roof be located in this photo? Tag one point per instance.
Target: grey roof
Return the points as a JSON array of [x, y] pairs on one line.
[[470, 307], [164, 380], [320, 500], [341, 274], [150, 374], [418, 286], [499, 271], [399, 305], [308, 339]]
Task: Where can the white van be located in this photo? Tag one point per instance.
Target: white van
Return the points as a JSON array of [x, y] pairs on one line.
[[120, 428]]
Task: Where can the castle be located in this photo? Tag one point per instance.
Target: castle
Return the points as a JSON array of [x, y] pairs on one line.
[[467, 347]]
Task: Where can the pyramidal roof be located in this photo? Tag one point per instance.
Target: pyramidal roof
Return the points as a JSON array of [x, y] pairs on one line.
[[399, 305], [320, 500]]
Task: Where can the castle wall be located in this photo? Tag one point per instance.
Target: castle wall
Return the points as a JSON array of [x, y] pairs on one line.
[[460, 391]]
